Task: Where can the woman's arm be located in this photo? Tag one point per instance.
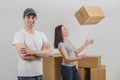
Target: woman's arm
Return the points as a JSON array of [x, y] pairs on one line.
[[65, 56], [88, 42]]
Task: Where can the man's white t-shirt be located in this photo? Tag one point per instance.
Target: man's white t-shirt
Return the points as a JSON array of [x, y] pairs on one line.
[[34, 42]]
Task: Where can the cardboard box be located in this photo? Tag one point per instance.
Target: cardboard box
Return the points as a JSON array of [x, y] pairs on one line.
[[51, 67], [89, 15], [77, 65], [82, 73], [98, 73], [90, 62]]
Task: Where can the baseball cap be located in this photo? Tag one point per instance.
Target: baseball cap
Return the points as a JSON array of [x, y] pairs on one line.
[[29, 11]]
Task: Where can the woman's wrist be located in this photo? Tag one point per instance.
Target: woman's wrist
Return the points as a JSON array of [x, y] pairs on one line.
[[85, 45]]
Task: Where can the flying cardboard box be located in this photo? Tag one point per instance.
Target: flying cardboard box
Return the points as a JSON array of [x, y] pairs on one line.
[[87, 15]]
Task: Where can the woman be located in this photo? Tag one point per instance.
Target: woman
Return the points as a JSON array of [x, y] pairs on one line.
[[68, 51]]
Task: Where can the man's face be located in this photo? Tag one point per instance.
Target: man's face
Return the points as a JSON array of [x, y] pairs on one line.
[[30, 20]]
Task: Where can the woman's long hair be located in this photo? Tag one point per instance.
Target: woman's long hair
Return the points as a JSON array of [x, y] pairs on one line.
[[58, 36]]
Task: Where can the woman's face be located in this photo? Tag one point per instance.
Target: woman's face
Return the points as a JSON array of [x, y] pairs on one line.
[[64, 31]]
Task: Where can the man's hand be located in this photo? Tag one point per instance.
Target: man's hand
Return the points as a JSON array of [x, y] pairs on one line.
[[46, 46], [26, 51]]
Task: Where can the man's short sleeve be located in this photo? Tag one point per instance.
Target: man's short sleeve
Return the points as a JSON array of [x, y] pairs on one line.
[[44, 37], [18, 38]]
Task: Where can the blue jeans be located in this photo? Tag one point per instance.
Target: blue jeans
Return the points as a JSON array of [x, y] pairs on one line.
[[31, 78], [70, 73]]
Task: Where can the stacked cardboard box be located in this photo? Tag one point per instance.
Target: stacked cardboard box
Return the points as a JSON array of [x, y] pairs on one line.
[[89, 15], [98, 73], [90, 61], [90, 68], [51, 67], [82, 73]]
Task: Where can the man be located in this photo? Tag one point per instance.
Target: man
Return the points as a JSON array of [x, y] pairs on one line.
[[31, 45]]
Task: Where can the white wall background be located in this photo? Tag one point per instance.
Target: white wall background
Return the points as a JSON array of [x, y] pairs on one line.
[[54, 12]]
